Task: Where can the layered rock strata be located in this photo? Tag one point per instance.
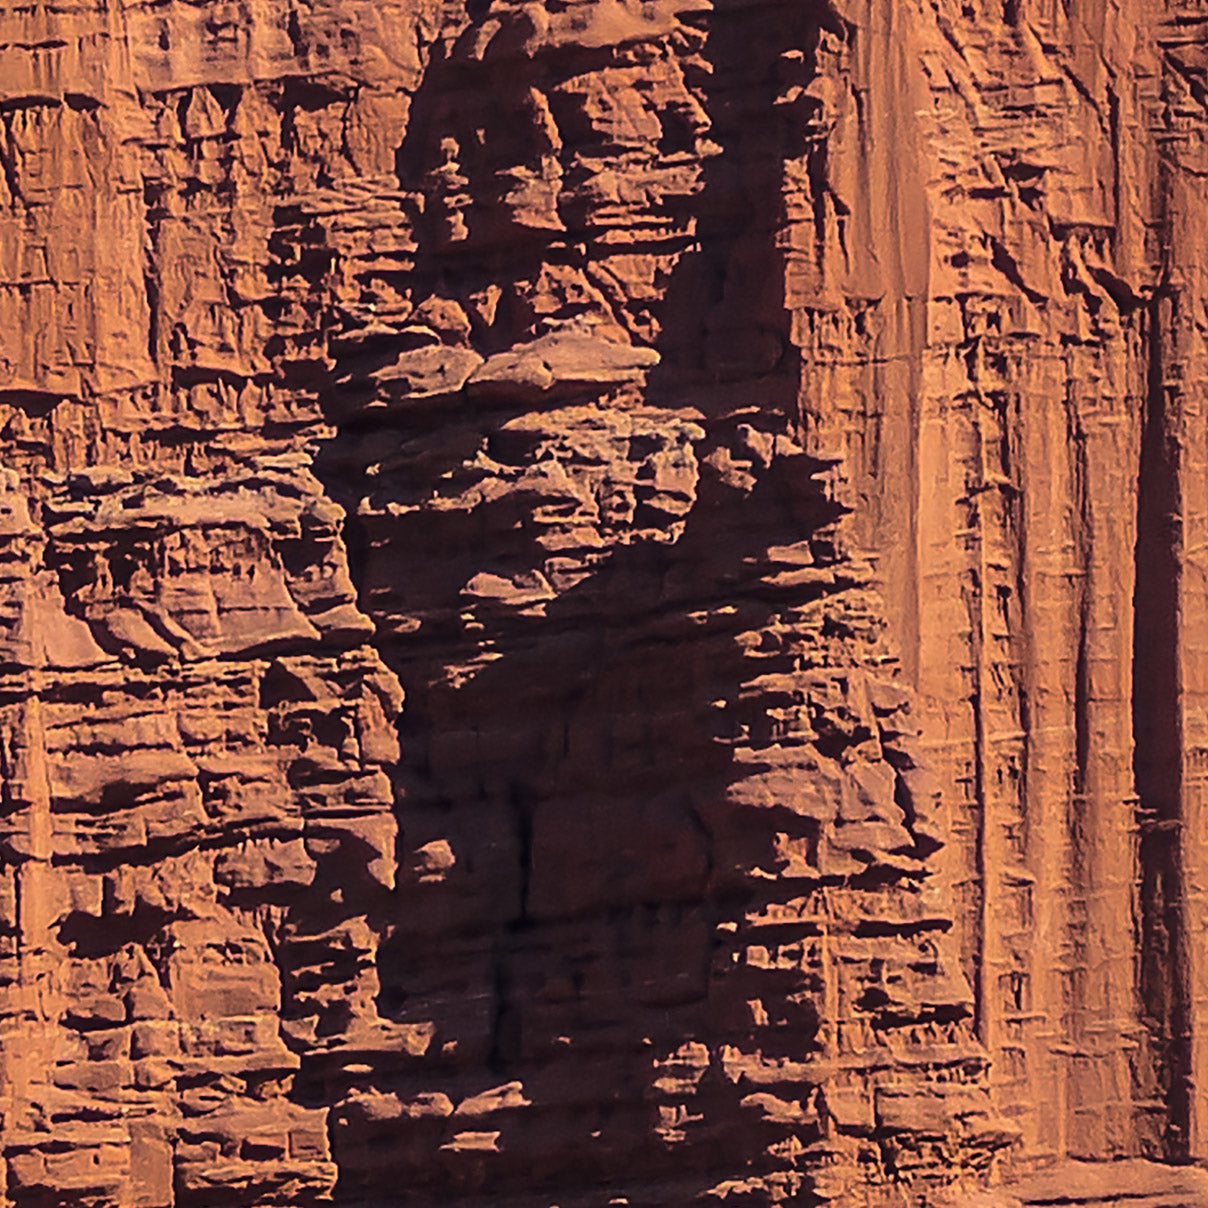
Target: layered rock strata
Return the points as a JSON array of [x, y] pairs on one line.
[[599, 599]]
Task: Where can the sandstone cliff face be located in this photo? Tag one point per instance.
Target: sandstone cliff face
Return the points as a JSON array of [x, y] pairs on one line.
[[762, 441]]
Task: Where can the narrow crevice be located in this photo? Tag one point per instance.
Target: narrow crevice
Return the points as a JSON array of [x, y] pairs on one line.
[[1157, 757], [1082, 676]]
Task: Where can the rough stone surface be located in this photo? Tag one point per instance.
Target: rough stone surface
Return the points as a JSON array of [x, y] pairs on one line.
[[602, 602]]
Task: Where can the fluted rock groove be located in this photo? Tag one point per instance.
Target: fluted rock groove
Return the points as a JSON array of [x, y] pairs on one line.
[[603, 602]]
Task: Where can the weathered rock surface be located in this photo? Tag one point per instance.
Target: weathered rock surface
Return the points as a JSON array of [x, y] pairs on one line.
[[762, 441]]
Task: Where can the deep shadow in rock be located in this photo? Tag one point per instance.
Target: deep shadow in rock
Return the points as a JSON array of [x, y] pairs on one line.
[[574, 784]]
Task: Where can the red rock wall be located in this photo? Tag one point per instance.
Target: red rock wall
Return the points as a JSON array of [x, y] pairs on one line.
[[763, 442]]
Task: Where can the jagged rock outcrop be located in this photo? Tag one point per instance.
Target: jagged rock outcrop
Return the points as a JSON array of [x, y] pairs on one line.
[[598, 600]]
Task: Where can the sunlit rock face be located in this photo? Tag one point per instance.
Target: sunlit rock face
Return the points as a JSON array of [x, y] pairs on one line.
[[601, 603]]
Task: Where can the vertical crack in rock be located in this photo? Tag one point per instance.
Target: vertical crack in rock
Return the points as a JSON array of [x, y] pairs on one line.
[[1157, 735]]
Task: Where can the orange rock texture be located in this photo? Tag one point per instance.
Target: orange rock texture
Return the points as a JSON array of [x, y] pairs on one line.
[[602, 602]]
